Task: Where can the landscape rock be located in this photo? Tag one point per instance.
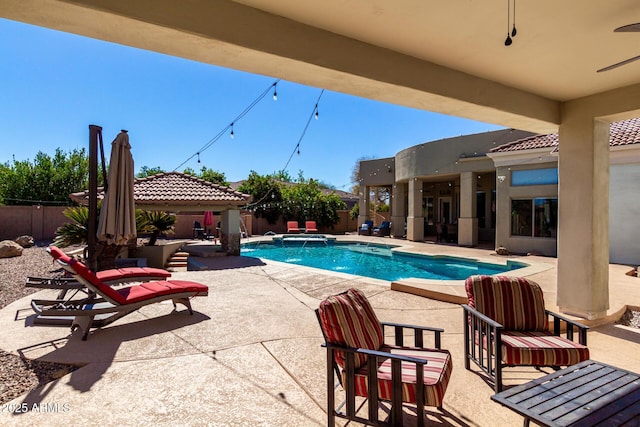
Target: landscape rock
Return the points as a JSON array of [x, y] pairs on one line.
[[502, 251], [9, 248], [25, 241]]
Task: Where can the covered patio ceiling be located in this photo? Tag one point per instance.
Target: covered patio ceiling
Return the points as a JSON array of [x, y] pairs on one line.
[[448, 57], [443, 56]]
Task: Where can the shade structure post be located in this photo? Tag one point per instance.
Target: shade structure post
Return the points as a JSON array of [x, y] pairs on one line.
[[95, 133]]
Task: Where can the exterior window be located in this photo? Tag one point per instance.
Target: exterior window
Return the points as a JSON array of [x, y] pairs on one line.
[[534, 177], [427, 209], [481, 200], [546, 217], [521, 215], [534, 217]]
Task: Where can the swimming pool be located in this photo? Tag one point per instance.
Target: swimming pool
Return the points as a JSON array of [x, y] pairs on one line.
[[373, 260]]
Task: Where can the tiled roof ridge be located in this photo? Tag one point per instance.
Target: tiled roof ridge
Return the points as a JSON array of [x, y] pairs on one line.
[[196, 179], [624, 132]]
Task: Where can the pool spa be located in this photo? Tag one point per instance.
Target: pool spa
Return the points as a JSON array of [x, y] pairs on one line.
[[372, 260]]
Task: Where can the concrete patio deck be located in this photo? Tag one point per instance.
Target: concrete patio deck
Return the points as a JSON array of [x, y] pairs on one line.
[[251, 355]]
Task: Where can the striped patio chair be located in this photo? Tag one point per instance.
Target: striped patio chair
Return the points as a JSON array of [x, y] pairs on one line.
[[368, 367], [506, 324]]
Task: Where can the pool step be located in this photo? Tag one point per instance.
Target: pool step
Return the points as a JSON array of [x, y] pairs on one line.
[[178, 262]]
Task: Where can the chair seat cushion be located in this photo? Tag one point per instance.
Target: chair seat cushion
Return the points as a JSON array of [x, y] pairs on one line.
[[150, 290], [131, 272], [437, 373], [540, 349]]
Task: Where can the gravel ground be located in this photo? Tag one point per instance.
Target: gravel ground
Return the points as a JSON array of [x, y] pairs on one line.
[[19, 375]]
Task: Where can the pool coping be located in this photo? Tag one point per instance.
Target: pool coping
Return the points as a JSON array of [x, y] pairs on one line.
[[442, 290]]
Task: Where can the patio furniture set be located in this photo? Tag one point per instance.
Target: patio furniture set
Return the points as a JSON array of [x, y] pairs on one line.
[[505, 324], [309, 227], [367, 229]]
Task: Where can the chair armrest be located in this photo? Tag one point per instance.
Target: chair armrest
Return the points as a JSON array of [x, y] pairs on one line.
[[473, 313], [376, 353], [418, 333], [371, 367], [571, 324]]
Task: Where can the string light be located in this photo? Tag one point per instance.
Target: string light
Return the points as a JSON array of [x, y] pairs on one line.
[[198, 157], [232, 135], [275, 93], [297, 147], [317, 113], [223, 131]]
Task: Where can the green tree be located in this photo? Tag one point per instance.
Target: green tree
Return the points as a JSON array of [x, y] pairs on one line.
[[45, 180], [146, 171], [305, 201], [213, 176], [267, 195]]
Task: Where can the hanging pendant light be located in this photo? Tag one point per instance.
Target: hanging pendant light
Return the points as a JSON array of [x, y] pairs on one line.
[[508, 40], [514, 31]]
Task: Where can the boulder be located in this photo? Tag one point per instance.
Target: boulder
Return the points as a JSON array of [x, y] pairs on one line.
[[25, 241], [502, 251], [9, 248]]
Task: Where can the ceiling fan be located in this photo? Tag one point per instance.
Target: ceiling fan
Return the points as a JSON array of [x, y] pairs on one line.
[[631, 28]]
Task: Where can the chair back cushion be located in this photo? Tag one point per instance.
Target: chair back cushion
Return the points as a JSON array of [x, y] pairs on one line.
[[348, 319], [515, 302]]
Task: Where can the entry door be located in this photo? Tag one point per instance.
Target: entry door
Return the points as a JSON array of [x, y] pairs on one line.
[[445, 210]]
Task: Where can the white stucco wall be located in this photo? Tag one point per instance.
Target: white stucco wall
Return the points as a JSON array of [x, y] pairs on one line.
[[624, 214]]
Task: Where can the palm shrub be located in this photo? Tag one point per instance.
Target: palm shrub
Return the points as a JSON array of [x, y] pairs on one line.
[[74, 232], [156, 223]]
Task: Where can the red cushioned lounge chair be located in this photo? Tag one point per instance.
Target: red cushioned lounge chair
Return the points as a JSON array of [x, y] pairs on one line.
[[506, 324], [292, 227], [310, 227], [105, 304], [110, 277], [368, 367]]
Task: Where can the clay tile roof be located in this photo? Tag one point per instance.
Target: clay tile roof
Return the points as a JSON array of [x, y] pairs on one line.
[[625, 132], [179, 189]]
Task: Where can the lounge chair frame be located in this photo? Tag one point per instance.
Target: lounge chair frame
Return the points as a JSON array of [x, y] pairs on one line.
[[97, 309], [373, 356]]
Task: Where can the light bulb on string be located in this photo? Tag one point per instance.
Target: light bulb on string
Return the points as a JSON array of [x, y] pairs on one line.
[[198, 158], [232, 135], [275, 93], [317, 113]]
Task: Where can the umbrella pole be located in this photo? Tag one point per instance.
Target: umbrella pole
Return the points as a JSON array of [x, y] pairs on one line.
[[95, 133]]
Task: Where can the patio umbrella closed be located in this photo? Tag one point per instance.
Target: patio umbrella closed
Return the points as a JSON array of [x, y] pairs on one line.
[[208, 219], [117, 222]]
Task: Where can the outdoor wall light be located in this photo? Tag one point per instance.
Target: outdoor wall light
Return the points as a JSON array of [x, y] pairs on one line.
[[501, 178]]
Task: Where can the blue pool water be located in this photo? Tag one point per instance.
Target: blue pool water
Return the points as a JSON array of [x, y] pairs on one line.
[[376, 261]]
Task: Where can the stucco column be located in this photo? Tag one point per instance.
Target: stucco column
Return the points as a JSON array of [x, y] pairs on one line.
[[415, 220], [363, 205], [583, 232], [398, 210], [468, 221], [230, 233]]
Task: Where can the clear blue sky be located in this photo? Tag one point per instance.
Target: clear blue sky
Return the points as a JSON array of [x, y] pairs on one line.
[[53, 85]]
